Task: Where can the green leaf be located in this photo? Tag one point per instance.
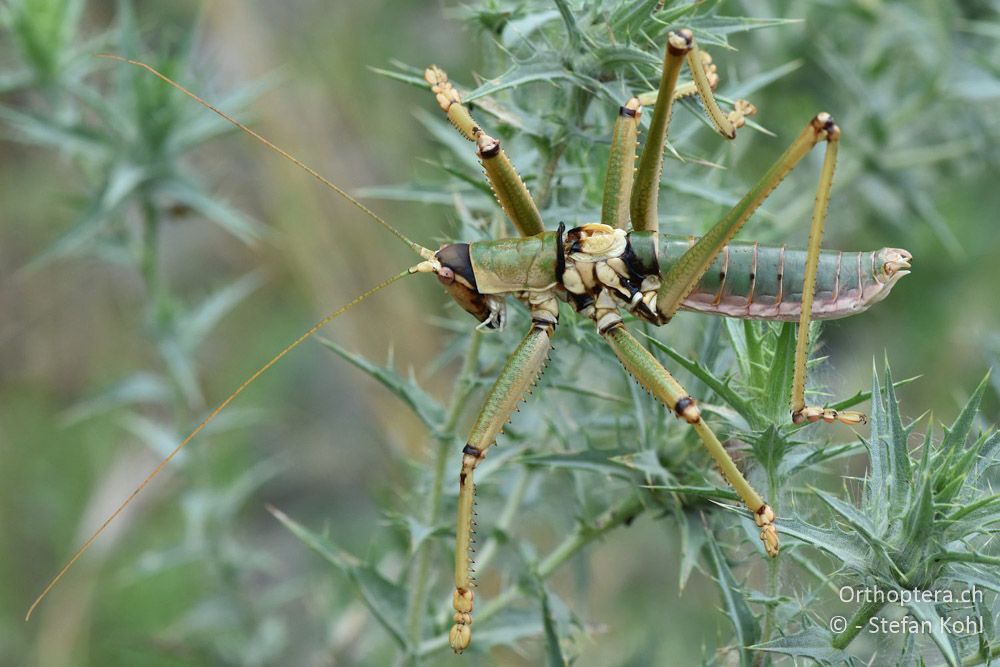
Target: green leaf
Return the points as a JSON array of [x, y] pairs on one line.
[[814, 643], [197, 324], [920, 518], [573, 32], [418, 531], [926, 612], [709, 492], [964, 575], [602, 461], [520, 75], [161, 438], [475, 201], [878, 485], [743, 620], [181, 365], [222, 214], [446, 135], [628, 17], [669, 15], [736, 330], [521, 29], [11, 82], [777, 390], [989, 456], [647, 463], [851, 551], [385, 600], [412, 79], [804, 458], [508, 628], [728, 25], [716, 384], [428, 410], [750, 86], [696, 187], [553, 651], [204, 126], [979, 512], [139, 387], [589, 393], [693, 538], [769, 447], [856, 521], [614, 57], [98, 216], [953, 444]]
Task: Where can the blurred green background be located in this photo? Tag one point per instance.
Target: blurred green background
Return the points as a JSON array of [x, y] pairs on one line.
[[198, 572]]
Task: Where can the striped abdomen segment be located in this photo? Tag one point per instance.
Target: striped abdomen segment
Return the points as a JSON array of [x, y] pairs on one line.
[[753, 281]]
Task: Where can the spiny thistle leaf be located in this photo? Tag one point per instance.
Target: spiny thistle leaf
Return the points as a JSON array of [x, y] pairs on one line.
[[383, 598], [744, 621], [428, 410], [812, 643], [914, 536]]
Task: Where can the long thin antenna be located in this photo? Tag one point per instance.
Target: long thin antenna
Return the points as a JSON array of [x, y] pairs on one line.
[[215, 413], [416, 247]]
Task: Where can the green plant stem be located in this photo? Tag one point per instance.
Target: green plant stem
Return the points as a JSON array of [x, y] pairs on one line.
[[981, 657], [149, 263], [504, 521], [773, 567], [856, 623], [444, 438], [579, 102], [584, 534], [572, 29]]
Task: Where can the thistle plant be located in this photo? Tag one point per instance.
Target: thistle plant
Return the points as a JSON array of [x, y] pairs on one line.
[[127, 141], [923, 529], [596, 500]]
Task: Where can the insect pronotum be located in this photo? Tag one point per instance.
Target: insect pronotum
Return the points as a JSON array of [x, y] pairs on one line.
[[622, 262]]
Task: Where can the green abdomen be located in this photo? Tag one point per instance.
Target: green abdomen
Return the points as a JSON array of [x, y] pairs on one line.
[[753, 281]]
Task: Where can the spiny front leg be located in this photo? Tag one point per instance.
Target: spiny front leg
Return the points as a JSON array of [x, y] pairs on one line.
[[522, 370], [651, 374], [510, 191]]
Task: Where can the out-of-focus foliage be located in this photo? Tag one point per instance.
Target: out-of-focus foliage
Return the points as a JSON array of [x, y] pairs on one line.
[[923, 526], [136, 292]]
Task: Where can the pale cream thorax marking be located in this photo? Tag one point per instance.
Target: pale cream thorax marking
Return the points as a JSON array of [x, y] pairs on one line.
[[599, 241]]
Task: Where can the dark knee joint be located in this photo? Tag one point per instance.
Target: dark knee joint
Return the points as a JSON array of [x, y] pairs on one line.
[[687, 409]]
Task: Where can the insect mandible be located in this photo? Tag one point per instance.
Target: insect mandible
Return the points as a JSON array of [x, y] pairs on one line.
[[623, 263]]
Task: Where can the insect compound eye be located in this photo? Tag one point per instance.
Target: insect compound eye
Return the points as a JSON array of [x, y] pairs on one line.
[[446, 275]]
